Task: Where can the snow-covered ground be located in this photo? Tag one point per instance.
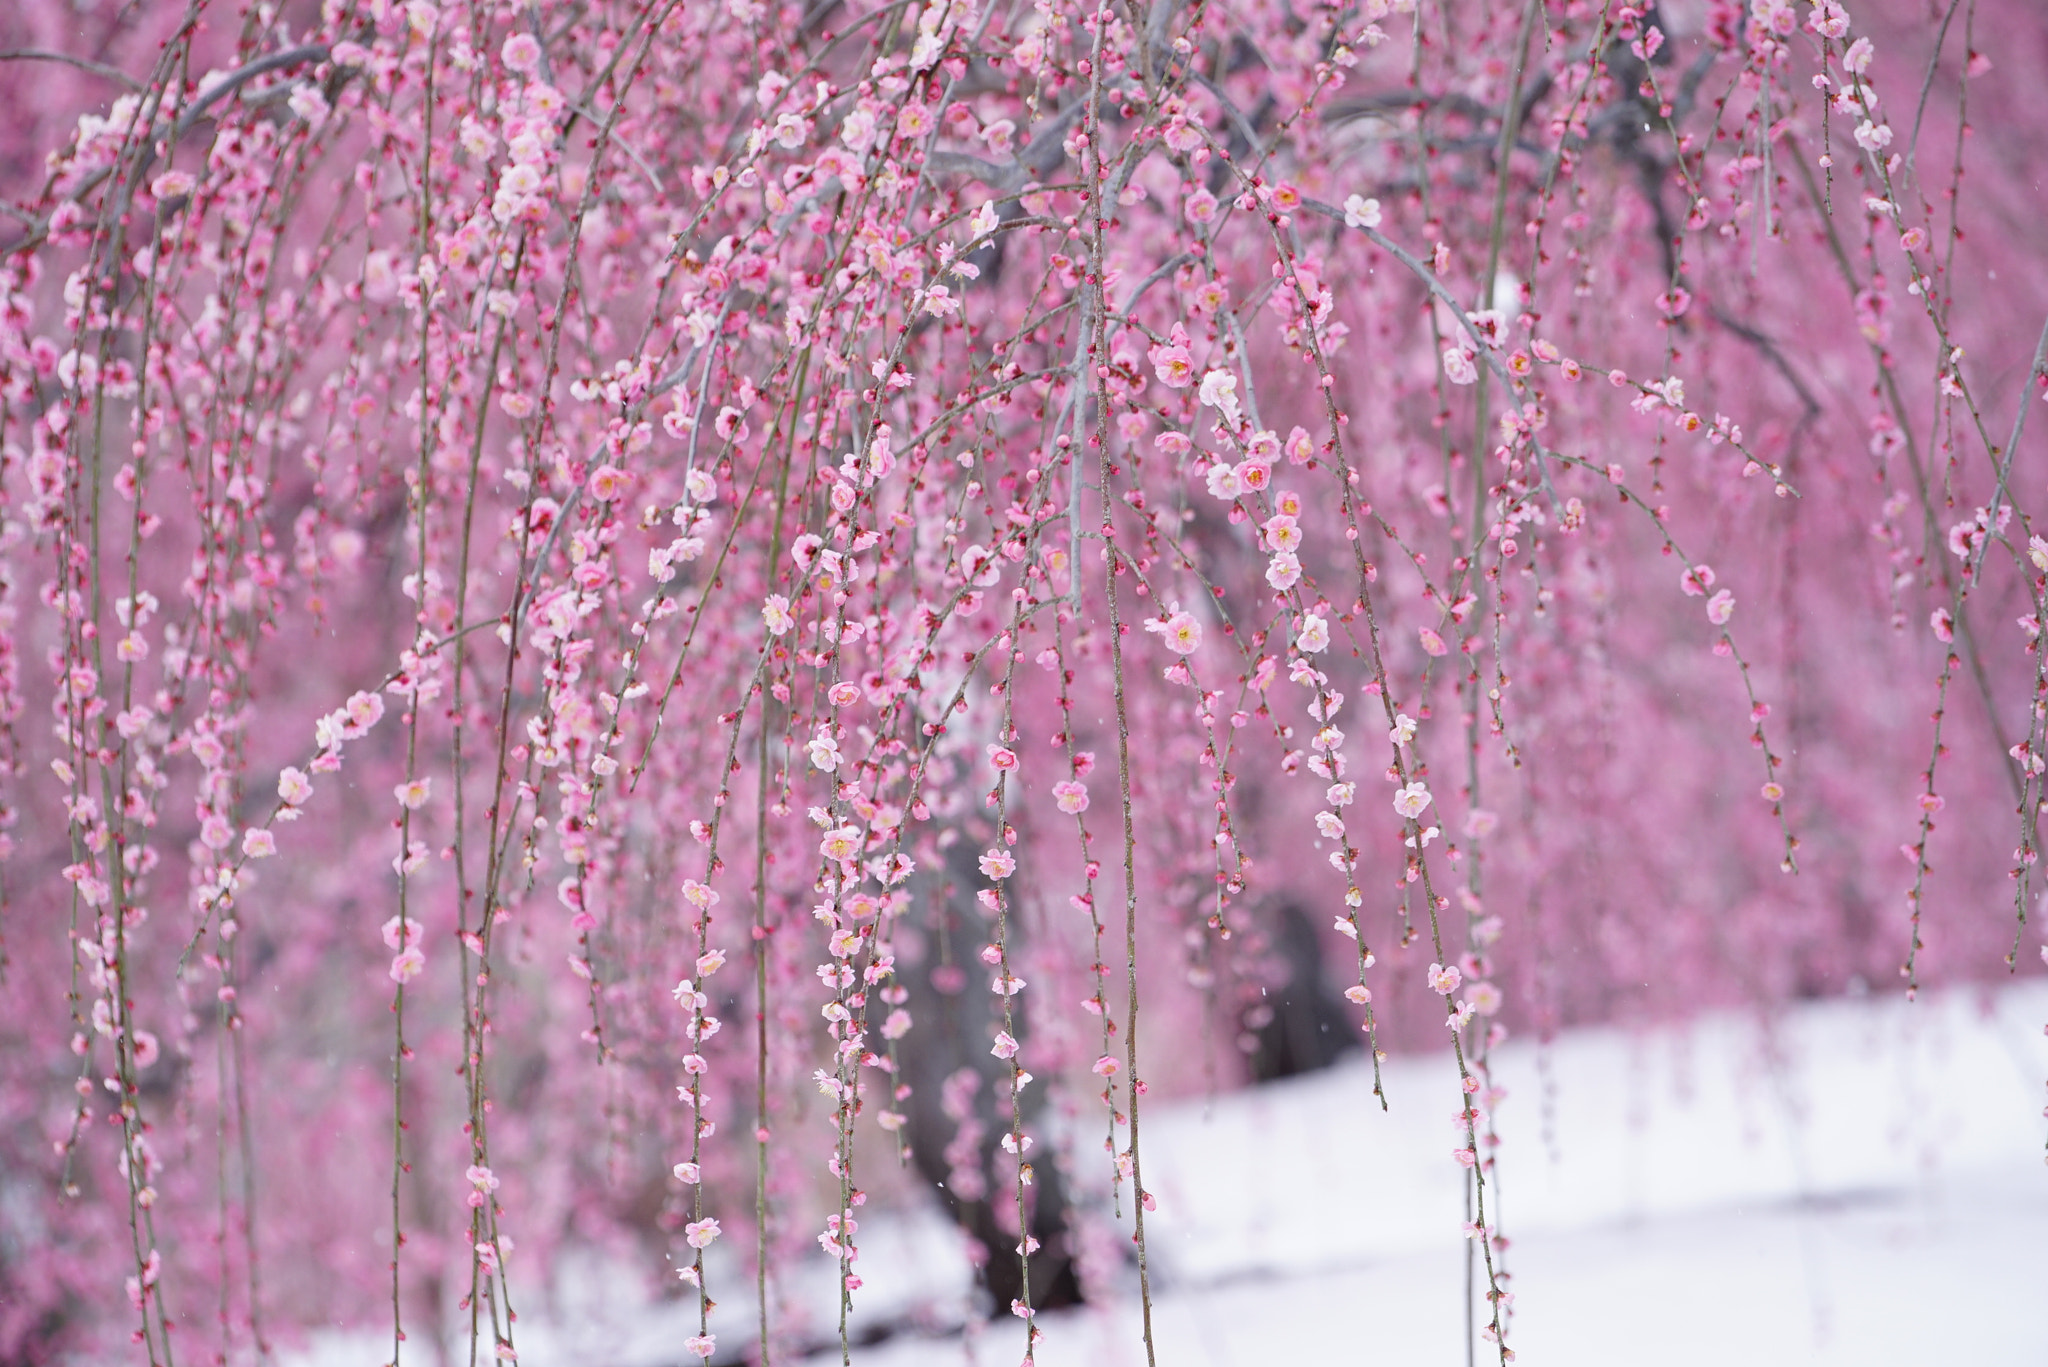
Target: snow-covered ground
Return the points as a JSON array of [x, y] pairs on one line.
[[1859, 1182]]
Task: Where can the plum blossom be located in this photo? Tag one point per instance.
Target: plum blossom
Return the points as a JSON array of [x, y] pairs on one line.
[[1360, 212], [824, 750], [1444, 979], [293, 788], [1411, 799], [1224, 482], [1219, 391], [1172, 362], [1071, 796], [1179, 630]]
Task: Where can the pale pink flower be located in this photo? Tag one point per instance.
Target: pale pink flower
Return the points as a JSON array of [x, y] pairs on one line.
[[412, 794], [1005, 1047], [1173, 364], [842, 843], [998, 864], [364, 711], [1410, 800], [408, 964], [1721, 607], [1283, 533], [1360, 212], [1181, 632], [1219, 391], [1224, 482], [1071, 796], [775, 613], [700, 1233], [294, 787], [824, 750], [520, 53], [258, 844], [1444, 979], [1314, 636]]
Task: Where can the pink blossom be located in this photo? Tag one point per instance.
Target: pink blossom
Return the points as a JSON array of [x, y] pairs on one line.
[[1444, 979], [842, 843], [1181, 632], [1219, 391], [1071, 796], [1173, 364], [293, 787], [1411, 799], [520, 53]]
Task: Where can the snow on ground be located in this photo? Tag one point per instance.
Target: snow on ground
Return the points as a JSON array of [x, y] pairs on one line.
[[1862, 1183], [1859, 1182]]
